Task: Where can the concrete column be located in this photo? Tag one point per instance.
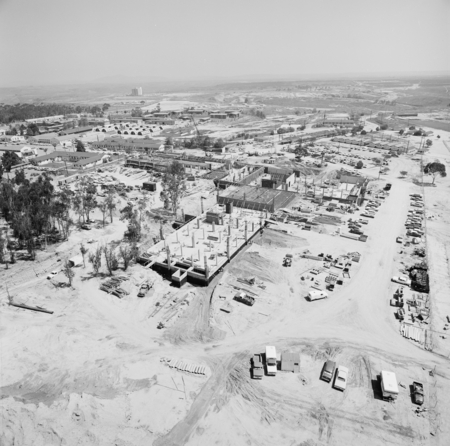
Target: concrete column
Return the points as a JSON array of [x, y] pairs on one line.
[[187, 227], [176, 235], [217, 259], [245, 232], [192, 260], [182, 215], [181, 250], [253, 226], [213, 227], [229, 229], [206, 268], [220, 236], [203, 231], [228, 248], [198, 223], [237, 223], [168, 259], [194, 241]]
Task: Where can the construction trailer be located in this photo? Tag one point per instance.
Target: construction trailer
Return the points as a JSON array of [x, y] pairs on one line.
[[290, 362], [389, 386]]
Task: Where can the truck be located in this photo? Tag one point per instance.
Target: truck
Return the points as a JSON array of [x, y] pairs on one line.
[[389, 386], [244, 298], [271, 360], [417, 394]]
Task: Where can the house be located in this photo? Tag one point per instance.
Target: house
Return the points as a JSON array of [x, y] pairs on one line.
[[77, 160], [12, 138]]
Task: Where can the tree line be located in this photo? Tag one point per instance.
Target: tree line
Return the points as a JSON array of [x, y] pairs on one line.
[[37, 213], [20, 112]]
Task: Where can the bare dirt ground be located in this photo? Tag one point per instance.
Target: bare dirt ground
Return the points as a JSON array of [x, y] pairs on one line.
[[95, 372]]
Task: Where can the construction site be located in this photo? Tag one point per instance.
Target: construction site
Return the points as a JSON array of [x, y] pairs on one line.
[[289, 298]]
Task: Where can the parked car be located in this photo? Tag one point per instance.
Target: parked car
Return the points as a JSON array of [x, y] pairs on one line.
[[400, 239], [340, 379], [52, 274], [244, 298], [328, 370], [86, 226], [402, 279], [143, 289], [417, 395], [257, 367]]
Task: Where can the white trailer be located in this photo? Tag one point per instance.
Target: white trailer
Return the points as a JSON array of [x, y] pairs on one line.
[[317, 294], [271, 360], [389, 386]]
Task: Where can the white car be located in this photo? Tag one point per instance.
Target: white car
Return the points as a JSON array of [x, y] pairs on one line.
[[402, 279], [52, 274], [340, 379]]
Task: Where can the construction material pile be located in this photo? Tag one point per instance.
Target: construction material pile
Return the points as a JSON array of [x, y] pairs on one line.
[[112, 286]]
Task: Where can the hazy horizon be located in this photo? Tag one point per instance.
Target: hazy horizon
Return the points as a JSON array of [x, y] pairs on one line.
[[52, 42]]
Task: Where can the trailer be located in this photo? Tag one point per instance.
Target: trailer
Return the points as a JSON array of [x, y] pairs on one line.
[[389, 386]]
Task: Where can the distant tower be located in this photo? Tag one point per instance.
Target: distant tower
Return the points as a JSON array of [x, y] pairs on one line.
[[136, 91]]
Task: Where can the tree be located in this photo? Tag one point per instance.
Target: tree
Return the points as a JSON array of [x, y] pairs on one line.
[[384, 127], [111, 259], [417, 133], [435, 169], [302, 127], [104, 210], [10, 159], [359, 164], [168, 141], [126, 253], [83, 251], [1, 172], [300, 152], [219, 144], [401, 132], [68, 271], [105, 107], [80, 146], [110, 204], [96, 259], [54, 143], [428, 143], [377, 161], [20, 177], [363, 132], [377, 129], [174, 184], [403, 173]]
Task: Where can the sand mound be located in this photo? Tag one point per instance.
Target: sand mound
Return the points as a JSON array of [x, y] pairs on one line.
[[252, 264], [279, 239]]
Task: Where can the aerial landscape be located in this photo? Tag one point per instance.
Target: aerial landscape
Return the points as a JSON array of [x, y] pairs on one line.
[[226, 224]]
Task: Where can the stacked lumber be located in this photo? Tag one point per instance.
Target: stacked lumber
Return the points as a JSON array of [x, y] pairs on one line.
[[112, 286], [412, 332], [185, 366]]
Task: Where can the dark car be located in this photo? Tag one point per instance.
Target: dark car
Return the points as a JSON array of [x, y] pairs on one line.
[[417, 393], [86, 226], [328, 371]]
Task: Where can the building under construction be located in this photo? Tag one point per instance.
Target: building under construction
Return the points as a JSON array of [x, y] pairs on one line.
[[198, 250], [256, 198]]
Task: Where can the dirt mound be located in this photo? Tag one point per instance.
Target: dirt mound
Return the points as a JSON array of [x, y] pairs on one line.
[[252, 264], [279, 239]]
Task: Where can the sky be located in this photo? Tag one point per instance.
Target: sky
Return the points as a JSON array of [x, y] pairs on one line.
[[45, 42]]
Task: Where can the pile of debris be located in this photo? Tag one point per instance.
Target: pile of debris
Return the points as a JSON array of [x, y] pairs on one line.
[[112, 286]]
